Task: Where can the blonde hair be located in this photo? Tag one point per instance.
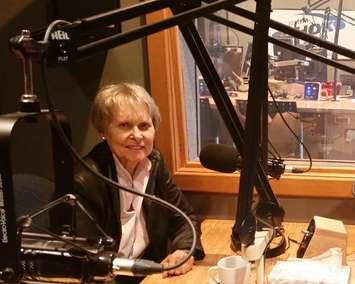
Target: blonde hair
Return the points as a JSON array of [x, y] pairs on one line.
[[120, 94]]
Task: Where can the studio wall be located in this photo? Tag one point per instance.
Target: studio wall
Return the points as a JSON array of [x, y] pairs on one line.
[[73, 86]]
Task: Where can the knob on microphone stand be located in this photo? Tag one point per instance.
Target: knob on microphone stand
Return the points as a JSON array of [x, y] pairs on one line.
[[25, 47]]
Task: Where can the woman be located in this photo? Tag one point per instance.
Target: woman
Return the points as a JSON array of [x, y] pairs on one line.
[[127, 118]]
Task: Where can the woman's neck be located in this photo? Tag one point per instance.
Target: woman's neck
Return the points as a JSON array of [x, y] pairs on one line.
[[129, 166]]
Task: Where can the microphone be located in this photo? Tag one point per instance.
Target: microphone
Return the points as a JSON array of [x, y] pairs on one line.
[[221, 158], [57, 261], [226, 159]]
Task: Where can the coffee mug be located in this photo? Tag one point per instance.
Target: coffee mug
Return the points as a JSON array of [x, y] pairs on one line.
[[229, 270]]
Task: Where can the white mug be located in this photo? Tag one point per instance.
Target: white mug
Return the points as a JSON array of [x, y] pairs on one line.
[[230, 270]]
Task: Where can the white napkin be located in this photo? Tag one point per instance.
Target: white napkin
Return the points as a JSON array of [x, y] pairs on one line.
[[323, 269]]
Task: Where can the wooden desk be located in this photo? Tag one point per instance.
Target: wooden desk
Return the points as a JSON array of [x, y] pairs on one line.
[[303, 106], [216, 241], [344, 106]]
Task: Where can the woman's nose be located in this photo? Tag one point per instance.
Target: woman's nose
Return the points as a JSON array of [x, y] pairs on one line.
[[136, 133]]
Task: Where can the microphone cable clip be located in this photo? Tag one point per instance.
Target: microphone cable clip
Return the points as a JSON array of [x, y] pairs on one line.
[[275, 168]]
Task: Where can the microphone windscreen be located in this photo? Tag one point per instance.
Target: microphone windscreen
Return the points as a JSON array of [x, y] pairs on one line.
[[220, 158]]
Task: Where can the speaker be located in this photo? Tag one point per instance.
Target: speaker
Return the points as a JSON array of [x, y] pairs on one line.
[[322, 234]]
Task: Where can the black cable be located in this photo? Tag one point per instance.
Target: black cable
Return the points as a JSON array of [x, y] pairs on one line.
[[277, 154], [282, 246], [108, 181], [293, 240], [294, 170], [281, 233]]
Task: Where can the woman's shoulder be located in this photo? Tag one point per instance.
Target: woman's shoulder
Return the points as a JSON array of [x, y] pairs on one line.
[[158, 162], [99, 150], [100, 154]]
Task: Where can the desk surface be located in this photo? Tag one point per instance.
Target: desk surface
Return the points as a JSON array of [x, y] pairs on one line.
[[216, 241], [305, 106]]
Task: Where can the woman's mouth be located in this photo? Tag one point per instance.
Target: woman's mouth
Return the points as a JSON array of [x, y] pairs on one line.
[[135, 147]]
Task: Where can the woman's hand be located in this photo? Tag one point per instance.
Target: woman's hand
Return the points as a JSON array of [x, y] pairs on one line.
[[174, 258]]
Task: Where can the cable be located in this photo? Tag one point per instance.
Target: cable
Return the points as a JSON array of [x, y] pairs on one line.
[[281, 247], [277, 154], [295, 170], [51, 27], [293, 240], [284, 240]]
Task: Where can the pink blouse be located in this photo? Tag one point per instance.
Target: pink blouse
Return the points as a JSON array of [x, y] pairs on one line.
[[134, 232]]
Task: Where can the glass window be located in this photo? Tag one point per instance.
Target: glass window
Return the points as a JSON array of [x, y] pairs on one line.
[[319, 111], [311, 104]]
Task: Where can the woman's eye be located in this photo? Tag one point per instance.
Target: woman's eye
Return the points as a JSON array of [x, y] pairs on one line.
[[124, 125], [144, 126]]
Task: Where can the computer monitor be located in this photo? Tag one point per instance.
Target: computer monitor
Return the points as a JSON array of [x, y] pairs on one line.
[[348, 80], [285, 68], [316, 71], [281, 53], [290, 65]]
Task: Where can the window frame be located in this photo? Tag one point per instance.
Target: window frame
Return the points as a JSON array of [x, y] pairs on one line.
[[166, 87]]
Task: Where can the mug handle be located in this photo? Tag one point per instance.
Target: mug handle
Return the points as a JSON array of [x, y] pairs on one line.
[[213, 275]]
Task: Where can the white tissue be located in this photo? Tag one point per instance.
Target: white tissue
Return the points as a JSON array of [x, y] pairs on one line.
[[325, 268]]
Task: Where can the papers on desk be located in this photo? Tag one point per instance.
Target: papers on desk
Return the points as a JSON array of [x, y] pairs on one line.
[[325, 269]]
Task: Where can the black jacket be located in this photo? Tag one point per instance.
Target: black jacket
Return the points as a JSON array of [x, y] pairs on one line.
[[167, 230]]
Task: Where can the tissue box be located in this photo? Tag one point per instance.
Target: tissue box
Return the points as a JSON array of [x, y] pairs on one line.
[[308, 272]]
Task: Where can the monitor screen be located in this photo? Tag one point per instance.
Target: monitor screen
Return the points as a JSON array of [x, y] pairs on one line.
[[348, 80]]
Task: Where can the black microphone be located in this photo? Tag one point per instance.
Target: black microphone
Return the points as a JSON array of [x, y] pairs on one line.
[[57, 261], [226, 159], [220, 158]]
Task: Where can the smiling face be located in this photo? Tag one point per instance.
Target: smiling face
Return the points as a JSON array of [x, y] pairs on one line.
[[130, 135]]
